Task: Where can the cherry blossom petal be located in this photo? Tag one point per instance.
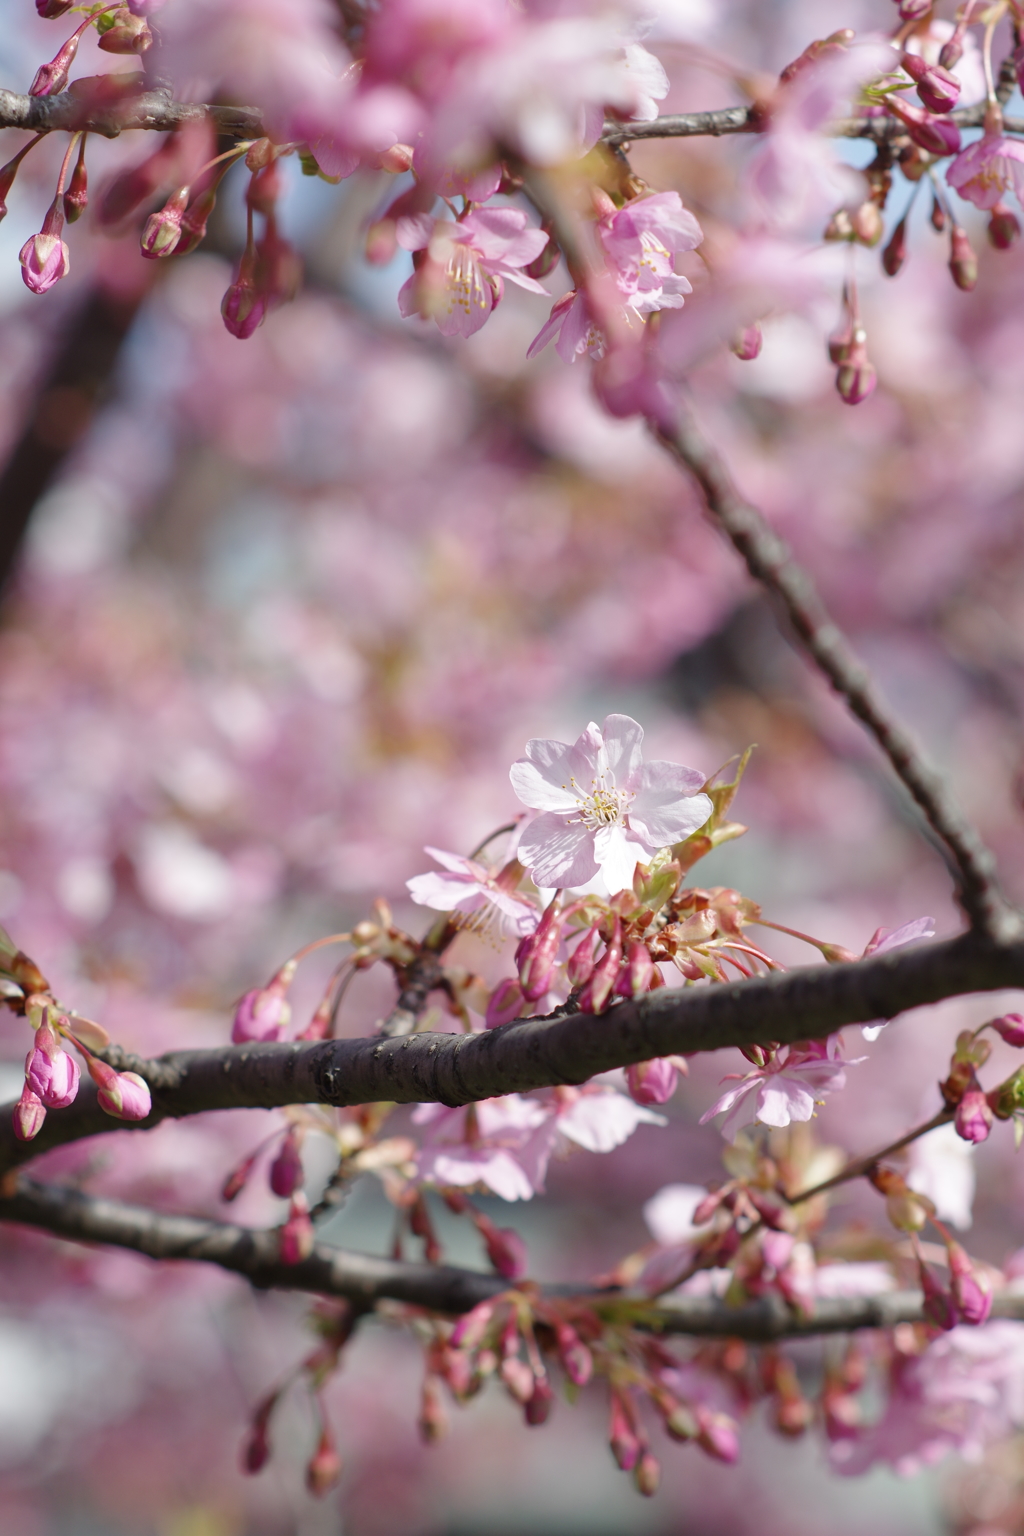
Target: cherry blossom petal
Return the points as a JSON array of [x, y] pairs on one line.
[[602, 1121], [618, 853], [622, 738], [557, 854], [667, 807], [541, 779], [782, 1100]]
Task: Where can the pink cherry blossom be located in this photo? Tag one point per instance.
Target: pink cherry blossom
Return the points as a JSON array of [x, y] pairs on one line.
[[45, 259], [788, 1088], [50, 1073], [461, 278], [602, 808], [988, 168], [467, 887]]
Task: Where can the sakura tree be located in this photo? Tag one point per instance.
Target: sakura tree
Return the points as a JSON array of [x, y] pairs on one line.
[[456, 511]]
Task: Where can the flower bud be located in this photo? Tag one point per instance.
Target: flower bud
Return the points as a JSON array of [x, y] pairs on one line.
[[971, 1290], [839, 227], [718, 1435], [53, 77], [125, 1095], [598, 989], [163, 228], [914, 10], [264, 188], [29, 1114], [264, 1013], [505, 1003], [963, 263], [256, 1449], [973, 1116], [652, 1082], [238, 1178], [1010, 1027], [397, 159], [324, 1468], [49, 10], [538, 1407], [952, 51], [243, 307], [906, 1211], [50, 1073], [938, 89], [856, 378], [895, 253], [622, 1436], [647, 1474], [296, 1237], [259, 155], [577, 1361], [938, 135], [537, 953], [913, 162], [747, 343], [76, 198], [938, 1305], [638, 971], [286, 1173], [127, 33], [519, 1380], [505, 1248], [580, 966], [433, 1420], [470, 1330], [680, 1421], [1003, 227], [867, 223], [45, 258]]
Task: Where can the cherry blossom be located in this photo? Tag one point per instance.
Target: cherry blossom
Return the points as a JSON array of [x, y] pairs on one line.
[[467, 887], [602, 808], [788, 1088], [986, 169], [461, 277]]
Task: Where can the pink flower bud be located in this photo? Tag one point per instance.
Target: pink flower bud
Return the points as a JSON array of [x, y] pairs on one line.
[[1003, 227], [243, 307], [622, 1436], [893, 257], [256, 1450], [76, 198], [963, 263], [867, 223], [938, 1305], [45, 258], [747, 343], [397, 159], [433, 1421], [914, 10], [581, 962], [536, 955], [50, 1073], [647, 1475], [125, 1095], [194, 221], [937, 135], [53, 77], [971, 1291], [296, 1237], [29, 1114], [1010, 1027], [505, 1248], [286, 1172], [973, 1116], [537, 1408], [470, 1330], [577, 1361], [599, 988], [937, 88], [519, 1380], [238, 1178], [162, 231], [638, 971], [127, 33], [652, 1082], [952, 52], [144, 7], [856, 378], [718, 1435], [264, 188], [49, 10], [505, 1003], [263, 1014], [324, 1468]]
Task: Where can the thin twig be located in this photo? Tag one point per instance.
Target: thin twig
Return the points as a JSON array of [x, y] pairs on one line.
[[771, 563], [365, 1280], [863, 1165], [723, 121]]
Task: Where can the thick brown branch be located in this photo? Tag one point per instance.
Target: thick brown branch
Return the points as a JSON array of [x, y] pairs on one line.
[[439, 1288], [540, 1053], [771, 563], [730, 120], [155, 110]]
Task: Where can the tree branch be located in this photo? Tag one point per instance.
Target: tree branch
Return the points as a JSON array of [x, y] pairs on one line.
[[771, 563], [156, 110], [541, 1053], [755, 119], [365, 1280]]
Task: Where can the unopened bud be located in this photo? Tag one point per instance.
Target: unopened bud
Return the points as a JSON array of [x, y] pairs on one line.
[[895, 253], [938, 1305], [519, 1380], [243, 308], [264, 188], [647, 1474], [286, 1173], [505, 1248], [29, 1114], [856, 378], [264, 1013], [952, 52], [637, 972], [50, 1073], [536, 955], [505, 1003], [397, 159], [576, 1358], [259, 155], [49, 10], [296, 1238], [867, 223], [51, 78], [76, 198], [622, 1436], [581, 962], [163, 228], [973, 1116], [937, 88], [963, 263], [256, 1449], [194, 221], [747, 343], [914, 10], [238, 1178], [45, 259], [126, 33], [324, 1468], [652, 1082], [839, 227], [1010, 1027], [718, 1435], [936, 134], [538, 1407], [971, 1290], [595, 995], [913, 162], [433, 1420], [1003, 227]]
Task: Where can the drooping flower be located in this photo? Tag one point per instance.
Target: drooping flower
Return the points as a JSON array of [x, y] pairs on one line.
[[988, 168], [461, 276], [787, 1088], [602, 808], [469, 888]]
